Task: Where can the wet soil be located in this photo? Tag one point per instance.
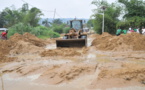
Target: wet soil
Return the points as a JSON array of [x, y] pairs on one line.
[[45, 67]]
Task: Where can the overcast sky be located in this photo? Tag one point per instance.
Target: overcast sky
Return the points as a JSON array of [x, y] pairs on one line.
[[64, 8]]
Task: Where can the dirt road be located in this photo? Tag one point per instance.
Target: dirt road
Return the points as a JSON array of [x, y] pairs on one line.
[[107, 63]]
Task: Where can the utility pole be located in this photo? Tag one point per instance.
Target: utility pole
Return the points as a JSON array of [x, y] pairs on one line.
[[103, 8], [103, 23], [54, 14]]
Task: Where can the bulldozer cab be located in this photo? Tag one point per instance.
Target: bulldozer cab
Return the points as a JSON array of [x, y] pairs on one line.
[[76, 24]]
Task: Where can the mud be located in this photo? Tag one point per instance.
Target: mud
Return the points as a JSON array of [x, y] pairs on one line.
[[109, 62], [127, 75], [65, 52]]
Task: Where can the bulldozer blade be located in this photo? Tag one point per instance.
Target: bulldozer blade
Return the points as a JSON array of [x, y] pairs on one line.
[[71, 43]]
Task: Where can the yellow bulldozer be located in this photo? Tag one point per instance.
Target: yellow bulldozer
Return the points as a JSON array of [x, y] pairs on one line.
[[76, 36]]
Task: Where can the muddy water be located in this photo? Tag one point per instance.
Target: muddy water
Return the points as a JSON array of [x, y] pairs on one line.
[[89, 41], [27, 83]]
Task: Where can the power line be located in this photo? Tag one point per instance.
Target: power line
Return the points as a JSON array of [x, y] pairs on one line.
[[58, 15], [27, 3]]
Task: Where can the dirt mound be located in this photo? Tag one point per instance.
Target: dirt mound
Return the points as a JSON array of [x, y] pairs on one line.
[[4, 58], [94, 35], [59, 73], [22, 47], [62, 52], [131, 41], [5, 47], [26, 43], [27, 37]]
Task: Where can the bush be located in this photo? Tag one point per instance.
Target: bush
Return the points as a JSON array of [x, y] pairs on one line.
[[66, 29], [39, 31], [58, 28], [53, 34], [19, 28]]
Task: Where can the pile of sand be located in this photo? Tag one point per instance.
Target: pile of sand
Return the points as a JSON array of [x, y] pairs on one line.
[[22, 47], [27, 37], [131, 41], [17, 44], [62, 52], [94, 35], [5, 47]]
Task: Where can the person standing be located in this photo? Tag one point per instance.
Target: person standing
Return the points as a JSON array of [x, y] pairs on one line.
[[4, 35], [143, 31]]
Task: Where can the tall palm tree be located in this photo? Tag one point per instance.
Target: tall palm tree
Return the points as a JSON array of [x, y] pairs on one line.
[[46, 23]]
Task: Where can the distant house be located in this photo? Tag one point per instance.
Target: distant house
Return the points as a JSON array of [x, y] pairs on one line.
[[3, 29]]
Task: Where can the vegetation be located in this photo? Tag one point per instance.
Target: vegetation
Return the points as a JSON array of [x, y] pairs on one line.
[[90, 23], [23, 15], [57, 22], [132, 12], [39, 31], [112, 13], [26, 20]]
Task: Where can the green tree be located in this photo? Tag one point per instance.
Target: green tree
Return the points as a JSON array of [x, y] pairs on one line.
[[58, 28], [112, 13], [57, 21], [46, 23], [2, 20], [34, 16], [90, 23], [10, 17], [66, 30], [134, 12]]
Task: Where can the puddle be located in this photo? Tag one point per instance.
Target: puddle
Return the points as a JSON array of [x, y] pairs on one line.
[[34, 77], [91, 57], [51, 62], [89, 41], [26, 83], [51, 46]]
